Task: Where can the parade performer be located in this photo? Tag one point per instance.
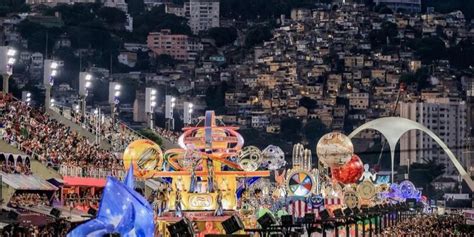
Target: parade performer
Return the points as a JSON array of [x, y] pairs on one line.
[[219, 210], [210, 177], [177, 204]]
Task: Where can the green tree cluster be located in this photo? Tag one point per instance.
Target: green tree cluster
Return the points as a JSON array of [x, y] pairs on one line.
[[223, 35], [444, 6], [293, 130], [215, 97], [257, 35], [429, 49], [148, 133], [420, 78], [12, 6], [308, 103], [387, 34], [157, 19]]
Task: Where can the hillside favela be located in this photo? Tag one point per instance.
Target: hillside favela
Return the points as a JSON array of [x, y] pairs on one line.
[[246, 118]]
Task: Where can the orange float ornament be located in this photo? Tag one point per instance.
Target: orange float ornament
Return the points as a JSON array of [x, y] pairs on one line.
[[146, 157], [350, 172]]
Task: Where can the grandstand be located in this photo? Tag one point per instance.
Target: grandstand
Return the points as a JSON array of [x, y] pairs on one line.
[[59, 159]]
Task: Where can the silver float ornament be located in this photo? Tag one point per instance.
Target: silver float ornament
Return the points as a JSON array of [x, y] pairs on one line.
[[249, 158], [273, 157]]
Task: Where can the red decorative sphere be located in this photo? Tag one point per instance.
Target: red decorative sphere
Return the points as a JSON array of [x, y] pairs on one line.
[[350, 172]]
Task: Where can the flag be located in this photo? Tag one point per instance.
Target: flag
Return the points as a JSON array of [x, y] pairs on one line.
[[122, 210], [129, 181]]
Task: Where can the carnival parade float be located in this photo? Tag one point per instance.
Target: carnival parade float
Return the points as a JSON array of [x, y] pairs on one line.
[[213, 178]]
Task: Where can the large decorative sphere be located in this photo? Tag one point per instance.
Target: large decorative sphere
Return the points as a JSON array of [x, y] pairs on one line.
[[273, 157], [145, 155], [350, 172], [249, 158], [334, 149]]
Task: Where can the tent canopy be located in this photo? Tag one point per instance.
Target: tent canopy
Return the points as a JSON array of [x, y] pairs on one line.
[[27, 182]]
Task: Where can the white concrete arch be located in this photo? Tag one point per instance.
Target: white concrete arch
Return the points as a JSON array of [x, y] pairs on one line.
[[392, 128]]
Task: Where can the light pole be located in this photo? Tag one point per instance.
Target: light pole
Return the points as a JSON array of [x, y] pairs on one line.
[[50, 71], [26, 97], [7, 59], [188, 113], [170, 103], [150, 103], [114, 93], [85, 82], [97, 114]]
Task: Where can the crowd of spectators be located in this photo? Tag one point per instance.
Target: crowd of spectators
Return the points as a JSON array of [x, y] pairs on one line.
[[117, 134], [29, 200], [427, 225], [53, 143], [10, 168], [83, 201], [172, 136], [57, 228]]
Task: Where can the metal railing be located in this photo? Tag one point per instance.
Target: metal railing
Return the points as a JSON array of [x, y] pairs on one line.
[[90, 172], [117, 134]]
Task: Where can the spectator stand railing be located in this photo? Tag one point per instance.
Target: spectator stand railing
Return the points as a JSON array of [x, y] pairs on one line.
[[118, 134]]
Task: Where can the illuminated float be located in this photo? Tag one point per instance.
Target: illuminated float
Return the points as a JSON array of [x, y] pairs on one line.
[[205, 173]]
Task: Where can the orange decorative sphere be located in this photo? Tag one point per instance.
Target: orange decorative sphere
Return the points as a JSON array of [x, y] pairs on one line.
[[334, 149], [145, 155], [350, 172]]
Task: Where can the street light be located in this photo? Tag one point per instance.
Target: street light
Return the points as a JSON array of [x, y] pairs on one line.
[[51, 102], [7, 60], [114, 94], [50, 71], [85, 83]]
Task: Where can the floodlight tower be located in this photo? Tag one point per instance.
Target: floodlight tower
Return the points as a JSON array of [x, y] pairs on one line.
[[114, 94], [170, 103], [188, 109], [7, 60], [85, 83], [50, 71], [150, 104]]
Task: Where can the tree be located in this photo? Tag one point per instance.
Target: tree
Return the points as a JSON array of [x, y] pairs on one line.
[[388, 31], [308, 103], [257, 35], [148, 133], [460, 55], [443, 6], [37, 34], [423, 174], [157, 19], [420, 78], [13, 6], [113, 16], [215, 97], [429, 49], [165, 60], [290, 129], [314, 129], [223, 35], [135, 7]]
